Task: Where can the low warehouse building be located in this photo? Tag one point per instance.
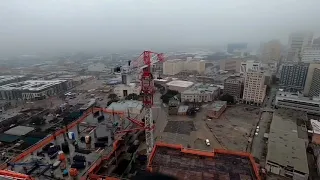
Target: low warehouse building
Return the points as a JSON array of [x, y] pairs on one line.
[[216, 109], [33, 89], [286, 149]]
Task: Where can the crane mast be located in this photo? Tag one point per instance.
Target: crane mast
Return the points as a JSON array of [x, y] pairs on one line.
[[143, 63]]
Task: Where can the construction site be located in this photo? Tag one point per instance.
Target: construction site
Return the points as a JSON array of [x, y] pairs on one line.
[[234, 127], [92, 142]]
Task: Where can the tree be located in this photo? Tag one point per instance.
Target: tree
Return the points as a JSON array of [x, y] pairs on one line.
[[228, 98], [132, 96], [166, 97], [113, 96]]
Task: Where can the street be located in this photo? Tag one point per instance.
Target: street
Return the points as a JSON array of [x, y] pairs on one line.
[[259, 145]]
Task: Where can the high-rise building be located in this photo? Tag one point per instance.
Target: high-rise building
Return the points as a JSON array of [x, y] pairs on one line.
[[293, 76], [194, 65], [271, 51], [233, 86], [311, 54], [316, 41], [254, 88], [172, 67], [230, 64], [312, 67], [236, 47], [249, 65], [297, 41], [315, 84]]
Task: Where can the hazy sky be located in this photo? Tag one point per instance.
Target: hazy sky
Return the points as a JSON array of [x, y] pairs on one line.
[[62, 25]]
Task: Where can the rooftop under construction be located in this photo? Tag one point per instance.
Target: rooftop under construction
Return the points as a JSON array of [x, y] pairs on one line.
[[176, 161]]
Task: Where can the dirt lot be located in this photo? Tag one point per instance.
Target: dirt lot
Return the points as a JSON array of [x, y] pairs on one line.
[[233, 127]]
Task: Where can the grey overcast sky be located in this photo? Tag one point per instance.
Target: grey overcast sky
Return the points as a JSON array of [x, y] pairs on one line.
[[62, 25]]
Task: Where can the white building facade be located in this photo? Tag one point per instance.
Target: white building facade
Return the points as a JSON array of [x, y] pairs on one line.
[[172, 67], [311, 54], [297, 41], [254, 88], [200, 93], [249, 65], [123, 90]]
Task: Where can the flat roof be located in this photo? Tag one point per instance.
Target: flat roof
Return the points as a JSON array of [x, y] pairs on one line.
[[9, 78], [19, 130], [31, 85], [297, 97], [124, 105], [284, 146], [182, 163], [217, 105], [315, 126], [180, 83], [201, 88]]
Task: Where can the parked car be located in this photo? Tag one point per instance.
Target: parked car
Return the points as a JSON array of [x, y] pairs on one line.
[[207, 142]]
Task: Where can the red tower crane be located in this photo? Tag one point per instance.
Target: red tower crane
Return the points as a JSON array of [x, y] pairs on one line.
[[143, 63]]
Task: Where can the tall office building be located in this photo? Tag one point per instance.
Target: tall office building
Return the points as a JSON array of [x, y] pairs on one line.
[[311, 69], [254, 88], [311, 54], [250, 65], [233, 86], [230, 64], [236, 47], [172, 67], [315, 84], [316, 41], [271, 51], [293, 76], [297, 41]]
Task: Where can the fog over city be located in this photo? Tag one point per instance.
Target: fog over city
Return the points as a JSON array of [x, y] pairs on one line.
[[84, 25]]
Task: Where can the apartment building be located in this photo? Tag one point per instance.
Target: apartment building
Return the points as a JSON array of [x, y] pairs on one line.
[[254, 90], [230, 64], [297, 102], [233, 86], [271, 51], [200, 93], [312, 67], [315, 83], [297, 41], [311, 54], [7, 79], [33, 89], [195, 65], [250, 65], [172, 67], [293, 76]]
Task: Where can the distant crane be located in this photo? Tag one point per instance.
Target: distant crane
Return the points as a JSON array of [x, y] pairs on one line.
[[143, 63]]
